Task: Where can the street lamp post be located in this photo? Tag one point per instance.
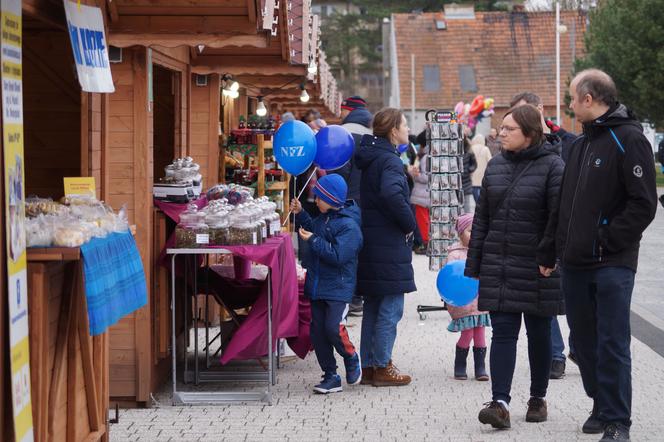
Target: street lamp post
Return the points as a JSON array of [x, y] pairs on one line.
[[558, 63]]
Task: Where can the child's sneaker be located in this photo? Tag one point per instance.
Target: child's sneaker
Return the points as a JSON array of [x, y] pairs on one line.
[[331, 383], [353, 369]]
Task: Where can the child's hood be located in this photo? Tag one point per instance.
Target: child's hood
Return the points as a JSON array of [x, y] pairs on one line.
[[350, 210]]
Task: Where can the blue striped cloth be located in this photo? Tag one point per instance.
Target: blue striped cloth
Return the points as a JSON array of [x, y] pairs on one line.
[[114, 280]]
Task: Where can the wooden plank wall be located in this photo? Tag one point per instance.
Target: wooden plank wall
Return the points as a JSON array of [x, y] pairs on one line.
[[92, 139], [129, 162], [122, 161], [52, 113], [205, 108]]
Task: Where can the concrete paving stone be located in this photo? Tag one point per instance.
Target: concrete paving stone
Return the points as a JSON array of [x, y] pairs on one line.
[[434, 407]]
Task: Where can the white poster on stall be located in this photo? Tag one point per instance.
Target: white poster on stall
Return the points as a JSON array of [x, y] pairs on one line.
[[90, 47]]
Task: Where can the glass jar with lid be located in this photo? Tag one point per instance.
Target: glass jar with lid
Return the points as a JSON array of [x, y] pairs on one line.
[[260, 222], [242, 231], [273, 218], [219, 225], [192, 232]]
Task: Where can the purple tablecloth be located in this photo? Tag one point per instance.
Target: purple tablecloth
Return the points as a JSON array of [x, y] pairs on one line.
[[250, 340]]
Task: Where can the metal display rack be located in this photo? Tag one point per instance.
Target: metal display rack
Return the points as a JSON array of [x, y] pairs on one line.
[[445, 165]]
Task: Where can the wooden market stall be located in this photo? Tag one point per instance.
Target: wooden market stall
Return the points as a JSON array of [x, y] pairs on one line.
[[62, 137], [168, 65], [161, 111], [147, 130]]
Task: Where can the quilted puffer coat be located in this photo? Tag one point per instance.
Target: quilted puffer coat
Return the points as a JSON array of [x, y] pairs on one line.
[[513, 233]]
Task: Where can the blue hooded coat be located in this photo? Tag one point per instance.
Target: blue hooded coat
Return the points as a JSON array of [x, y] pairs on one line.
[[335, 244], [385, 263]]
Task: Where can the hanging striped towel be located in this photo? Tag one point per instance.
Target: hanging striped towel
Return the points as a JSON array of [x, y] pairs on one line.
[[114, 280]]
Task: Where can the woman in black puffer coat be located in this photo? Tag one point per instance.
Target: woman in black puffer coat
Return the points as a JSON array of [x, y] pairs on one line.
[[512, 253]]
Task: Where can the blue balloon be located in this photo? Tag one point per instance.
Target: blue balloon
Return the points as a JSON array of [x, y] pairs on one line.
[[294, 146], [401, 148], [454, 288], [335, 147]]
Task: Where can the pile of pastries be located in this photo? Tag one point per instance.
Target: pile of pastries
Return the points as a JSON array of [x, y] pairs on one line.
[[71, 222]]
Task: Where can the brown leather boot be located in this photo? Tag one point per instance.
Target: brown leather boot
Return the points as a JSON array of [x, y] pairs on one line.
[[536, 410], [495, 415], [389, 377], [367, 376]]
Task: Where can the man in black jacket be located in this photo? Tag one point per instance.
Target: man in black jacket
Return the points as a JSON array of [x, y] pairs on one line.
[[608, 197], [357, 120]]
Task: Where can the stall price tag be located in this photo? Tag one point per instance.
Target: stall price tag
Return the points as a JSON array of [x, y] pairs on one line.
[[202, 238], [80, 186]]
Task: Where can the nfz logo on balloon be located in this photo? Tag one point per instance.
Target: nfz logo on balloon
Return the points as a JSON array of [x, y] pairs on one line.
[[293, 151]]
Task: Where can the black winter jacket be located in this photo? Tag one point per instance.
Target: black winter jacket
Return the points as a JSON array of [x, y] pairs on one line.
[[358, 123], [608, 195], [511, 239], [469, 166], [385, 262]]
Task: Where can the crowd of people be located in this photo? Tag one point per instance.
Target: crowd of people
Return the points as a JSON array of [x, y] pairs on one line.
[[552, 227]]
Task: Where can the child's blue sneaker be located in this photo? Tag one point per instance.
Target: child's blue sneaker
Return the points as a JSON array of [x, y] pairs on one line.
[[353, 369], [331, 383]]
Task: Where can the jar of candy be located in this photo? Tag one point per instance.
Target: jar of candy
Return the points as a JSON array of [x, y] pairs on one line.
[[192, 232], [219, 225]]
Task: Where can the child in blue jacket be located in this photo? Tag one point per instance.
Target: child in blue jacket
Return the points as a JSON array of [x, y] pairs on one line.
[[334, 239]]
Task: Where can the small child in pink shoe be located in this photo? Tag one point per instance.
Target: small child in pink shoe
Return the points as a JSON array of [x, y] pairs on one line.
[[467, 319]]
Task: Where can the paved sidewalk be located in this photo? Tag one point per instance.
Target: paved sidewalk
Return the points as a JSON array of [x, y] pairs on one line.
[[434, 407]]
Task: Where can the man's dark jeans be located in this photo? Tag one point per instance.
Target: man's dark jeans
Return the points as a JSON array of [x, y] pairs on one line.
[[506, 328], [598, 310]]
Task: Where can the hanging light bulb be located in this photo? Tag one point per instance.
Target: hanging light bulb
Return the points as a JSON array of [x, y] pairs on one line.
[[233, 94], [235, 86], [313, 67], [261, 110], [304, 97]]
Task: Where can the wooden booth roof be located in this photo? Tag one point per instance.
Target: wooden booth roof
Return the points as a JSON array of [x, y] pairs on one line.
[[267, 43]]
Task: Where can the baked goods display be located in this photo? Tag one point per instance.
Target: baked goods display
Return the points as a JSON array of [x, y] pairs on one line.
[[71, 222]]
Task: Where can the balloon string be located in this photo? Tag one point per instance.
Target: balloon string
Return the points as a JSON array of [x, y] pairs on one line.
[[299, 194]]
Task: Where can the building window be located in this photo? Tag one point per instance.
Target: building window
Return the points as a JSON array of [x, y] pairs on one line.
[[467, 78], [431, 78]]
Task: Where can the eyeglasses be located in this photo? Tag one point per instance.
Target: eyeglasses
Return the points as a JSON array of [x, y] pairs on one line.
[[508, 128]]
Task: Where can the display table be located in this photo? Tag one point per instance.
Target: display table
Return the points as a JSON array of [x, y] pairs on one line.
[[68, 367], [273, 315], [277, 254]]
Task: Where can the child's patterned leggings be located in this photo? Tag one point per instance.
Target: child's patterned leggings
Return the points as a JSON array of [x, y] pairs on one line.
[[472, 334]]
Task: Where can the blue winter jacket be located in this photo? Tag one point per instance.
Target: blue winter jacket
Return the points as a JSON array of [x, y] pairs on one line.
[[385, 263], [334, 246]]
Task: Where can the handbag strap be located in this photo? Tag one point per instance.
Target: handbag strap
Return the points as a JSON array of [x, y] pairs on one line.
[[496, 207]]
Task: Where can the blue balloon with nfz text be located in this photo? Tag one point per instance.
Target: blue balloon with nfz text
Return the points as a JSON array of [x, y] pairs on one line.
[[294, 147], [454, 287]]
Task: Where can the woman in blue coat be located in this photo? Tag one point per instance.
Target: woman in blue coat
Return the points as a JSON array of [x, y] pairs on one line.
[[385, 270]]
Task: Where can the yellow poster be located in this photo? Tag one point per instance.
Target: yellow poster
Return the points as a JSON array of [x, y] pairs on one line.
[[14, 169], [80, 186]]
